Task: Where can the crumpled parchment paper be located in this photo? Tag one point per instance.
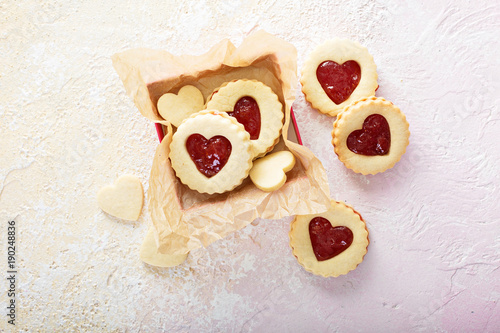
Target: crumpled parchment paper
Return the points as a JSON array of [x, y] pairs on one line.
[[183, 218]]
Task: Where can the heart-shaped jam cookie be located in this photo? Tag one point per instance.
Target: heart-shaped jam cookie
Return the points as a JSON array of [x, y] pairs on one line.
[[328, 241], [370, 135], [373, 139], [338, 81], [247, 112], [210, 156], [211, 152], [254, 105], [336, 74], [331, 243]]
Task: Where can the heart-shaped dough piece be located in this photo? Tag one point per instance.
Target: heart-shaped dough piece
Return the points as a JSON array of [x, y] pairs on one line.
[[150, 255], [124, 199], [175, 108], [268, 173]]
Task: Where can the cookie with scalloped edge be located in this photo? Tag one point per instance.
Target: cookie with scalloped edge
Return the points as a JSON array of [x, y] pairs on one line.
[[337, 73], [370, 135], [211, 152], [254, 105], [332, 243]]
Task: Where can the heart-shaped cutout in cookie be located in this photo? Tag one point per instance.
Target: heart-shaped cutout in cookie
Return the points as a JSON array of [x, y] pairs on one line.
[[373, 139], [328, 241], [338, 81], [175, 108], [269, 173], [247, 112], [123, 199], [210, 155]]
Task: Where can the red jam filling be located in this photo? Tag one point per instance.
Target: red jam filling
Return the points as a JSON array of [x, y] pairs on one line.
[[328, 241], [247, 112], [209, 156], [373, 139], [338, 81]]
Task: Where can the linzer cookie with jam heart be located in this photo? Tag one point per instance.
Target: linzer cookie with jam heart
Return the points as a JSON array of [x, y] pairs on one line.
[[211, 152], [256, 107], [370, 135], [337, 73], [332, 243]]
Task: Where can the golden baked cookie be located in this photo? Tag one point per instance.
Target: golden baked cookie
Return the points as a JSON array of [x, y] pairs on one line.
[[123, 199], [150, 255], [255, 106], [370, 135], [337, 73], [176, 107], [211, 152], [268, 173], [332, 243]]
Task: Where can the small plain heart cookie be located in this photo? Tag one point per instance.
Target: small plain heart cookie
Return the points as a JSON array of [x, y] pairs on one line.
[[150, 255], [175, 108], [269, 173], [124, 199]]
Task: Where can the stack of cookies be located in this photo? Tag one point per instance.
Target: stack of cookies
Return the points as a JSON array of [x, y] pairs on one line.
[[217, 141]]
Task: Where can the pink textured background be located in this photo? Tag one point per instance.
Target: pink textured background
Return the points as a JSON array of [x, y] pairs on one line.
[[67, 129]]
